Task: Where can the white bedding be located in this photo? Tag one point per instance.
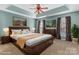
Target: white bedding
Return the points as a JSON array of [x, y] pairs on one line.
[[34, 41]]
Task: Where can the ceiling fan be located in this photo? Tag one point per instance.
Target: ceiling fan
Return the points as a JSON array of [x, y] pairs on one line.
[[39, 9]]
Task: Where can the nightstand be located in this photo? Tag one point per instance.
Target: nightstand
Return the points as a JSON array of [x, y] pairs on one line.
[[5, 39]]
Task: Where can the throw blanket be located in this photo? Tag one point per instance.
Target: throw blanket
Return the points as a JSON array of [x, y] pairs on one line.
[[22, 40]]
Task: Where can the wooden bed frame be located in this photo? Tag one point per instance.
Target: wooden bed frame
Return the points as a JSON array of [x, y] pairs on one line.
[[34, 50]]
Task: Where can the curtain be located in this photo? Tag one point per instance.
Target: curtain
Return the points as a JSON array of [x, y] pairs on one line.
[[35, 25], [38, 26], [63, 28], [43, 26], [58, 28], [68, 28]]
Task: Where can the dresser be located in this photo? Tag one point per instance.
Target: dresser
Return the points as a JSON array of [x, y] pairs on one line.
[[50, 31]]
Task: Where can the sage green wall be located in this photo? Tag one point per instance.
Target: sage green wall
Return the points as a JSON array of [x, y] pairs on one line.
[[74, 17], [31, 23], [6, 21]]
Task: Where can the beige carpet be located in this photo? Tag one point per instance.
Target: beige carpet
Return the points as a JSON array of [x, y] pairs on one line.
[[61, 47], [58, 48], [9, 49]]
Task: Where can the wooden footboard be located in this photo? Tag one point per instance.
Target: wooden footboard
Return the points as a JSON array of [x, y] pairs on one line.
[[35, 50]]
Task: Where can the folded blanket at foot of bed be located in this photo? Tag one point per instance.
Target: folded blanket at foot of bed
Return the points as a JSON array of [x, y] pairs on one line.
[[22, 40]]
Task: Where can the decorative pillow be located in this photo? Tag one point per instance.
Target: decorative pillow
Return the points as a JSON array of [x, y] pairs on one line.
[[16, 32], [25, 31]]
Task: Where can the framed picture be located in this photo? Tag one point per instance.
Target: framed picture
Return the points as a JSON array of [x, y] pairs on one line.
[[17, 21], [50, 23]]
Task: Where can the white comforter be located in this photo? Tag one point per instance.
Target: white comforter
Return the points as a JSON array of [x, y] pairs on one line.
[[34, 41]]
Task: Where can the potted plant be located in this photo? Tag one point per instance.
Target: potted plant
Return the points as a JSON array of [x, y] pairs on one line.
[[75, 32]]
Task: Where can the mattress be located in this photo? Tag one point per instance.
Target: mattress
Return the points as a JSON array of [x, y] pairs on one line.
[[34, 41]]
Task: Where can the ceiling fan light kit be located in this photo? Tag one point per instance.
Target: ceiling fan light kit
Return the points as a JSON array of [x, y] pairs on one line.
[[39, 9]]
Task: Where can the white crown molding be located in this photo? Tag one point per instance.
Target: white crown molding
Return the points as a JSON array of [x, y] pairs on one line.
[[18, 13]]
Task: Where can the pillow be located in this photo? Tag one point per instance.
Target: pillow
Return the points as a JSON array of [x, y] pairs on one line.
[[16, 31], [25, 31]]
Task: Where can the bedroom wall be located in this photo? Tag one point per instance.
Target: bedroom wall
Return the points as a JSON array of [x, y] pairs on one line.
[[6, 21], [31, 23], [74, 17]]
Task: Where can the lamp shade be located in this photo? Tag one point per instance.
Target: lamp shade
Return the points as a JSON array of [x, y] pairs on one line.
[[5, 29]]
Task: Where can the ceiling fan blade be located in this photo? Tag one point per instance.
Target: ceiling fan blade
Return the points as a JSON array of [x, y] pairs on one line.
[[37, 12], [41, 11], [45, 8], [32, 8]]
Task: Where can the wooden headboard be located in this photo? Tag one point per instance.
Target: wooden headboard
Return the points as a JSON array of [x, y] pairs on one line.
[[17, 27]]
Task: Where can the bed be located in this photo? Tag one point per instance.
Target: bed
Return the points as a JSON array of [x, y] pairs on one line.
[[33, 46]]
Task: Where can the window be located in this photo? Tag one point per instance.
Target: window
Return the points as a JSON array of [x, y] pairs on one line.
[[50, 24]]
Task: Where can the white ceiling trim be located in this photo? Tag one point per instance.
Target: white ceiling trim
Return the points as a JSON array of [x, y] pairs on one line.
[[4, 6], [57, 14], [43, 5], [72, 8], [17, 13], [24, 9]]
